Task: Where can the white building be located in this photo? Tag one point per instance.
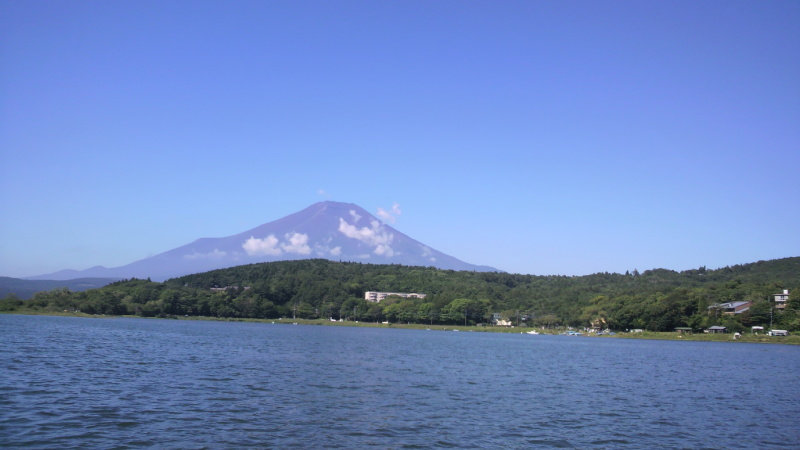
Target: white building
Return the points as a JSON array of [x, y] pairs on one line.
[[781, 299], [376, 297]]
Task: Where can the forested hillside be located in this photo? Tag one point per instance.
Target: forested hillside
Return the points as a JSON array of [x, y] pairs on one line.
[[657, 300]]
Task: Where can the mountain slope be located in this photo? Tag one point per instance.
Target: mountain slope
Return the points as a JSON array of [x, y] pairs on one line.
[[330, 230]]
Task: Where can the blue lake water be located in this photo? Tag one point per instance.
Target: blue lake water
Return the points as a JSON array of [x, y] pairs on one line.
[[103, 383]]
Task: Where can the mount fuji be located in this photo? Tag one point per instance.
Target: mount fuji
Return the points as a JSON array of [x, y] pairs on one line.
[[329, 230]]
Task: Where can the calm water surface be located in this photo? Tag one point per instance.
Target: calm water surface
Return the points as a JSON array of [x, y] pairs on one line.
[[103, 383]]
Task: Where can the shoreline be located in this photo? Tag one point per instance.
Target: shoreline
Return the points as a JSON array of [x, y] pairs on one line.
[[646, 335]]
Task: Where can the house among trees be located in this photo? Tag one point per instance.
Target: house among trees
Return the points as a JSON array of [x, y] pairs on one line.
[[376, 297], [716, 329], [781, 299], [222, 289], [730, 308], [498, 320]]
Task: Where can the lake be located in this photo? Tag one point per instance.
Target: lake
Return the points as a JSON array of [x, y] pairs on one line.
[[122, 383]]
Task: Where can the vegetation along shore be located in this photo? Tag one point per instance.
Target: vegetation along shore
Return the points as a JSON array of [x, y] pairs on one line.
[[657, 304]]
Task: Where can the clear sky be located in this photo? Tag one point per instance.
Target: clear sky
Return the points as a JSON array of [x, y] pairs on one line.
[[541, 137]]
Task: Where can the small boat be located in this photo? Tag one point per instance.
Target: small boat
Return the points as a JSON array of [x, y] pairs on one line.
[[532, 332]]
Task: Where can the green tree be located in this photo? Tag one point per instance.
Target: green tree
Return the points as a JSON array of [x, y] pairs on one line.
[[466, 311], [426, 312], [10, 303], [170, 302], [793, 303], [375, 312], [354, 309], [306, 311]]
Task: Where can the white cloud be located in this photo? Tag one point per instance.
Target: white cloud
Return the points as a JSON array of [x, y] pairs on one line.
[[355, 216], [384, 250], [271, 246], [390, 216], [374, 236], [262, 247], [385, 216], [428, 253], [323, 250], [215, 254], [298, 243]]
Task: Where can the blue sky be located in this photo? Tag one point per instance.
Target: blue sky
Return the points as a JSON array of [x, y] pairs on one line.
[[541, 137]]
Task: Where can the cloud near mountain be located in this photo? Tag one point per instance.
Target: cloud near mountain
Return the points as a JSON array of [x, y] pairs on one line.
[[375, 236], [270, 246], [389, 216], [331, 230], [215, 254]]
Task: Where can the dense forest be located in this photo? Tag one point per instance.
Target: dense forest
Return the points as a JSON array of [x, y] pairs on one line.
[[656, 300]]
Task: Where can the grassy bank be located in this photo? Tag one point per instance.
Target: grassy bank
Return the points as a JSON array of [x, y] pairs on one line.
[[721, 337], [703, 337]]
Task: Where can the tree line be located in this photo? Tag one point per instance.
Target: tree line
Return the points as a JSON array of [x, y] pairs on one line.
[[657, 300]]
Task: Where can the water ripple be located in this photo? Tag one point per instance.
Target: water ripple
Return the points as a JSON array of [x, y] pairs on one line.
[[123, 383]]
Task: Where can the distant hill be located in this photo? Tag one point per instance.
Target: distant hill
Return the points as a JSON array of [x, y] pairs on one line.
[[330, 230], [24, 289]]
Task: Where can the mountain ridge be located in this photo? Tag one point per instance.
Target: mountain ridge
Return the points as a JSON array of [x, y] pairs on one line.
[[330, 230], [25, 289]]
